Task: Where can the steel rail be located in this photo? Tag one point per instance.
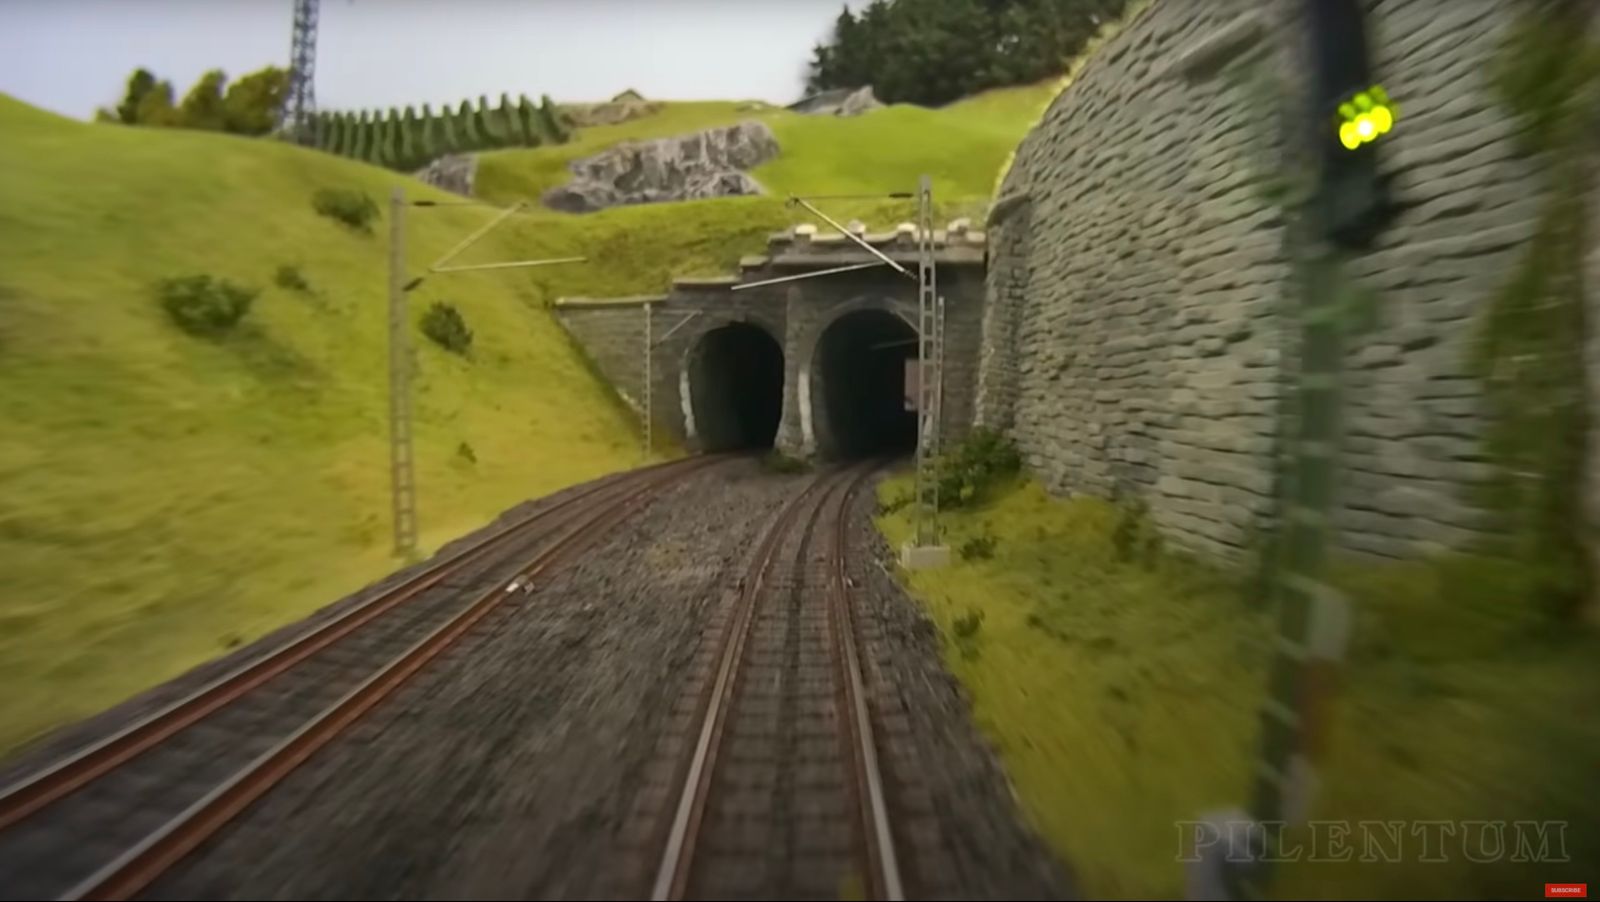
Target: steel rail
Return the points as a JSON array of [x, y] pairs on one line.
[[672, 876], [883, 867], [39, 789], [139, 866], [677, 860]]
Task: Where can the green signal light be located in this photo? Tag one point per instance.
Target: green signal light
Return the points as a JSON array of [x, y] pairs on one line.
[[1365, 117]]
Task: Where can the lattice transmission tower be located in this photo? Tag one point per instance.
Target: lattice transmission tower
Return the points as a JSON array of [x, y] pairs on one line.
[[300, 101]]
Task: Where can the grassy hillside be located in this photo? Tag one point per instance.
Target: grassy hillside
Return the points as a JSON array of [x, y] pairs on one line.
[[961, 145], [1122, 692], [164, 497], [642, 247]]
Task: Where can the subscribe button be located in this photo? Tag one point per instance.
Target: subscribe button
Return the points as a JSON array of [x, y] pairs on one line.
[[1566, 890]]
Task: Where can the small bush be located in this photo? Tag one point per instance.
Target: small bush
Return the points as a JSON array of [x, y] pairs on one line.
[[977, 548], [201, 305], [895, 503], [465, 452], [778, 462], [967, 473], [347, 205], [967, 625], [444, 325], [290, 278]]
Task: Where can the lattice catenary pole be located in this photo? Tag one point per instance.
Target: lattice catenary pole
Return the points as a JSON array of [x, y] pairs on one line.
[[402, 475], [649, 371], [930, 366], [300, 101]]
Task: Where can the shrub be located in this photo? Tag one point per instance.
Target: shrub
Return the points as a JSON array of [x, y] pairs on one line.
[[465, 452], [967, 625], [347, 205], [444, 325], [977, 464], [201, 305], [977, 548], [290, 278]]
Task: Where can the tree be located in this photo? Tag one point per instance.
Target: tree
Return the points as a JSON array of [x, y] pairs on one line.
[[410, 148], [527, 126], [140, 84], [449, 141], [361, 138], [156, 107], [467, 127], [394, 145], [433, 136], [202, 106], [255, 102], [550, 117], [505, 121], [935, 51], [480, 120]]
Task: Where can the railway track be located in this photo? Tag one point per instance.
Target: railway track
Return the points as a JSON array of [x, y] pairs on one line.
[[106, 820], [781, 795]]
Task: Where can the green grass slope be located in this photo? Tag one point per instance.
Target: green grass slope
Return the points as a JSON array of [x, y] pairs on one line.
[[164, 497], [1122, 692]]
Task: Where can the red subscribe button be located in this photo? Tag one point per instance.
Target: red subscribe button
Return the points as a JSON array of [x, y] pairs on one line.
[[1566, 890]]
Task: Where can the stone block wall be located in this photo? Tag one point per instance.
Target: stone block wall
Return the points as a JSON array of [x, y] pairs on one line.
[[1135, 339]]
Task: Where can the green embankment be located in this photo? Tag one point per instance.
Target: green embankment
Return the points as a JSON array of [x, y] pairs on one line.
[[1121, 692], [164, 497]]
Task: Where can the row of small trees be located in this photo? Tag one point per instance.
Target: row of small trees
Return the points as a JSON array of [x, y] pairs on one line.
[[248, 106], [407, 140]]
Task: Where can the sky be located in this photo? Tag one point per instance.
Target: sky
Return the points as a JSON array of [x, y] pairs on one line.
[[72, 56]]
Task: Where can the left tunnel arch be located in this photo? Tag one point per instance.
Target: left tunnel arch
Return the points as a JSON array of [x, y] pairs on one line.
[[736, 387]]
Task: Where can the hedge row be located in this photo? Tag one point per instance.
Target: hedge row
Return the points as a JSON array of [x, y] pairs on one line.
[[407, 141]]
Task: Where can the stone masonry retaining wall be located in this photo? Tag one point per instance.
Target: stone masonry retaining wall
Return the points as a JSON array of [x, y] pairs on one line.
[[1134, 336]]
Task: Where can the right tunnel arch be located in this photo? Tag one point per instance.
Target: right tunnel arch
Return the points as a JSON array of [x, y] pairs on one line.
[[860, 369]]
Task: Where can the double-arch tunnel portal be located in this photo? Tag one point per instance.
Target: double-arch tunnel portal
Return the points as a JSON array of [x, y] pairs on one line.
[[858, 373], [809, 349]]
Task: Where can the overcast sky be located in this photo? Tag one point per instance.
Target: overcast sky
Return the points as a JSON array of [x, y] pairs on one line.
[[74, 55]]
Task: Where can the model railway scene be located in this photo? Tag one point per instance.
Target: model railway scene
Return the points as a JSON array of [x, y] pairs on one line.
[[889, 449]]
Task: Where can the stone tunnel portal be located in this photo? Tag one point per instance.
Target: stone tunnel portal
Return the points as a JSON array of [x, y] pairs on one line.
[[736, 388], [862, 360]]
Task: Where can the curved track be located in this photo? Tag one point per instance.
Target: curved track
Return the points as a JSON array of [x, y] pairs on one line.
[[106, 820]]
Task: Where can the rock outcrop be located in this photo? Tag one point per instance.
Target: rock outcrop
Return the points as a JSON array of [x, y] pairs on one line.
[[708, 163], [838, 102], [586, 115], [453, 172]]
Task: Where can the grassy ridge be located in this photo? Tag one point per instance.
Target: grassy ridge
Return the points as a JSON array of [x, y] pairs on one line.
[[639, 249], [164, 497], [961, 145], [1122, 696]]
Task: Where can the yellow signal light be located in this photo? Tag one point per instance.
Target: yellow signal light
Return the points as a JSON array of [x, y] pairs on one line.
[[1382, 119], [1365, 117]]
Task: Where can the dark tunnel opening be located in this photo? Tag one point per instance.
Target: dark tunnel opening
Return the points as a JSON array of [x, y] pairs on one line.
[[862, 358], [736, 387]]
